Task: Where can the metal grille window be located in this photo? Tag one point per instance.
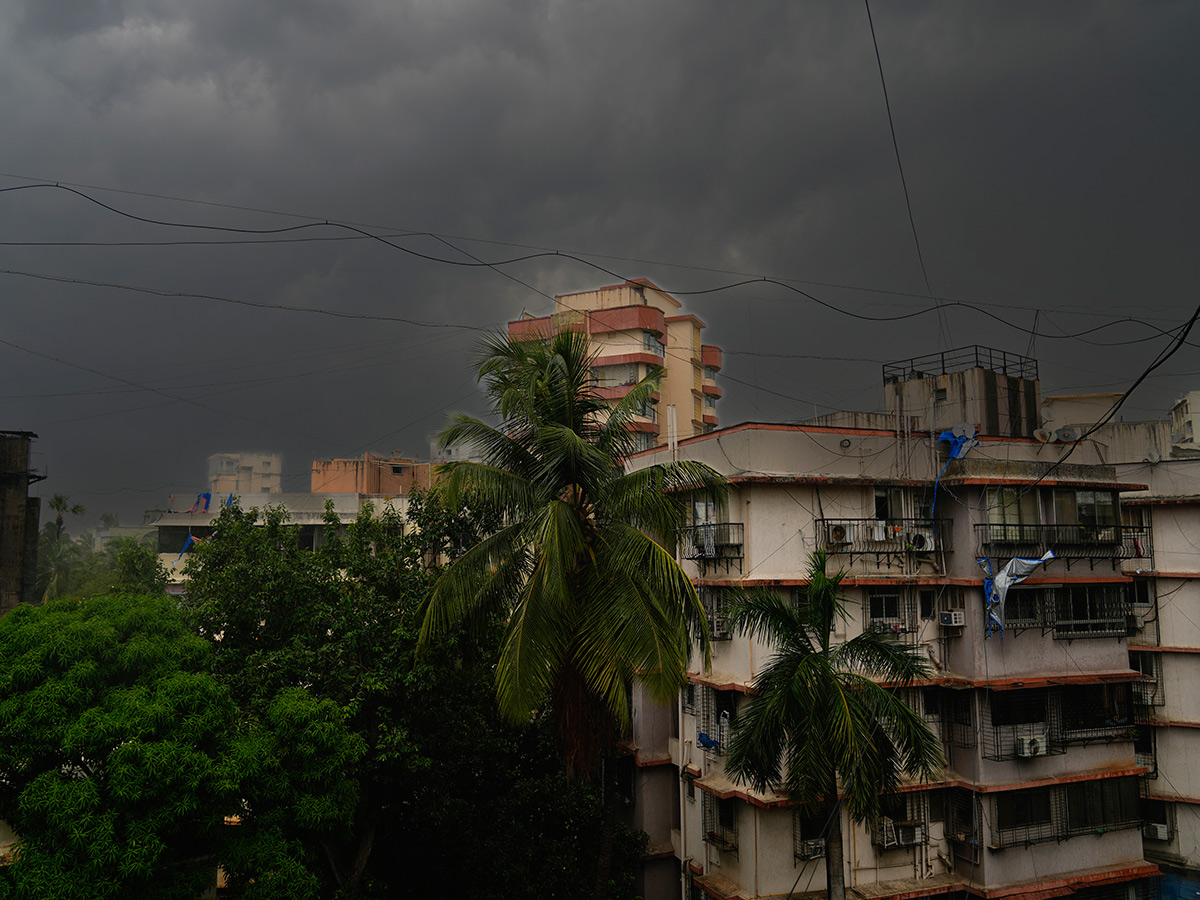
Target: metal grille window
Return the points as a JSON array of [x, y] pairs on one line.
[[1150, 691], [808, 834], [720, 822], [716, 611], [903, 822], [1090, 611], [1025, 817], [964, 818], [890, 611], [958, 726], [1096, 712], [1145, 749], [1159, 819], [1020, 724], [1097, 806], [716, 720], [689, 698], [651, 342], [1063, 811]]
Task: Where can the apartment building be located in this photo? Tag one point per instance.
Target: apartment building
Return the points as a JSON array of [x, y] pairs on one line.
[[245, 473], [1045, 761], [1164, 628], [633, 327]]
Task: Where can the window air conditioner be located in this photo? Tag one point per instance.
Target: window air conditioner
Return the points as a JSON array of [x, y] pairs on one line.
[[839, 534], [814, 849], [1029, 747], [953, 618], [1156, 831], [923, 540], [910, 835]]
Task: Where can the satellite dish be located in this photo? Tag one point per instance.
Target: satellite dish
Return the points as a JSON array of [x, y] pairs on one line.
[[1047, 413], [1153, 456], [963, 429], [1067, 435], [1044, 435]]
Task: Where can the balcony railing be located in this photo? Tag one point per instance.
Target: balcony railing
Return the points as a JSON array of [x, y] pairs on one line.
[[914, 537], [713, 544], [1068, 541]]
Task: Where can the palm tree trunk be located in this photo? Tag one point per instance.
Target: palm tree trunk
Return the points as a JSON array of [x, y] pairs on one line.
[[608, 824], [835, 868]]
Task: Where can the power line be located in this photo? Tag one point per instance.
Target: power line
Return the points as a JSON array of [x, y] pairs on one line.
[[900, 165]]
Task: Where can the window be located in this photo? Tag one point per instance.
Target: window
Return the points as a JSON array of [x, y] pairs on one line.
[[642, 440], [1013, 515], [651, 342], [690, 786], [710, 373], [1021, 607], [1018, 707], [615, 376], [1096, 711], [716, 611], [1090, 611], [689, 698], [1023, 810], [928, 600], [720, 822], [1085, 507], [648, 410], [397, 470], [889, 503], [808, 834], [939, 395], [716, 720], [884, 607], [710, 402], [1102, 804]]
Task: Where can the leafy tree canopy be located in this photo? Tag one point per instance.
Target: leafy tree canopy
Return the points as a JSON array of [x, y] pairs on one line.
[[115, 749]]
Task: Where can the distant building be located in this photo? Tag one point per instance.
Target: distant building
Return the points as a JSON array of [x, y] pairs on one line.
[[245, 473], [633, 327], [19, 518], [372, 474], [1185, 420]]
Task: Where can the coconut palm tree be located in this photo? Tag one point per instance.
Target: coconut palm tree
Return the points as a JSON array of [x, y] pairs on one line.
[[588, 602], [588, 598], [62, 505], [824, 720]]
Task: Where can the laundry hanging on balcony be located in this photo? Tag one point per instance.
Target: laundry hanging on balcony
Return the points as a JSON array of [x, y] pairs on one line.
[[996, 587]]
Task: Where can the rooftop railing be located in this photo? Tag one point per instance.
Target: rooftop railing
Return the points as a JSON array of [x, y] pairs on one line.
[[960, 360]]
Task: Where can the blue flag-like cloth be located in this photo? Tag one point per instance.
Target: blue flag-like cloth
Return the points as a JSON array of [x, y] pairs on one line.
[[207, 495], [958, 449]]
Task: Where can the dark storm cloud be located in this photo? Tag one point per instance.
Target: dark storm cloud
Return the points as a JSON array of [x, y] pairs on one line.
[[1049, 151]]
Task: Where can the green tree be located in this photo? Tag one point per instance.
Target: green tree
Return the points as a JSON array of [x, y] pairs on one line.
[[62, 506], [113, 745], [416, 760], [589, 600], [825, 718]]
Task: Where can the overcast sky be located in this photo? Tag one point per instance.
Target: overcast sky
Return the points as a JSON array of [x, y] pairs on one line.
[[1050, 151]]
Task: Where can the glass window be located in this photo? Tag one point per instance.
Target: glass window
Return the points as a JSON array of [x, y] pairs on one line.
[[1022, 809], [1085, 507], [889, 503], [1010, 506]]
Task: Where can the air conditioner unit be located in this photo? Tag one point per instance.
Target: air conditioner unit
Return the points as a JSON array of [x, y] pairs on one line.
[[952, 618], [1156, 831], [910, 835], [812, 849], [838, 534], [923, 540], [1029, 747]]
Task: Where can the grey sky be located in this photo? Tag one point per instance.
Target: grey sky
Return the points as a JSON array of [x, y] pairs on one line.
[[1050, 151]]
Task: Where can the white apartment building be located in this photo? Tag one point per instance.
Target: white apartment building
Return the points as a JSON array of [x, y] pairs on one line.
[[1041, 794], [1164, 641]]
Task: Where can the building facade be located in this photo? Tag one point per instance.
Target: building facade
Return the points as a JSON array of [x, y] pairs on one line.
[[372, 474], [245, 473], [1041, 795], [19, 517], [632, 328]]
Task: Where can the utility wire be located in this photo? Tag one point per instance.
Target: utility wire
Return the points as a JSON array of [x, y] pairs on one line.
[[903, 181]]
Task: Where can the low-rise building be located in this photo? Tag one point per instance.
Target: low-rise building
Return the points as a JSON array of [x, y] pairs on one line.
[[245, 473]]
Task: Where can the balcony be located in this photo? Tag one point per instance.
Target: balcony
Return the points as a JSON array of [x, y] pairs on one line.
[[884, 538], [713, 545], [1070, 542]]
